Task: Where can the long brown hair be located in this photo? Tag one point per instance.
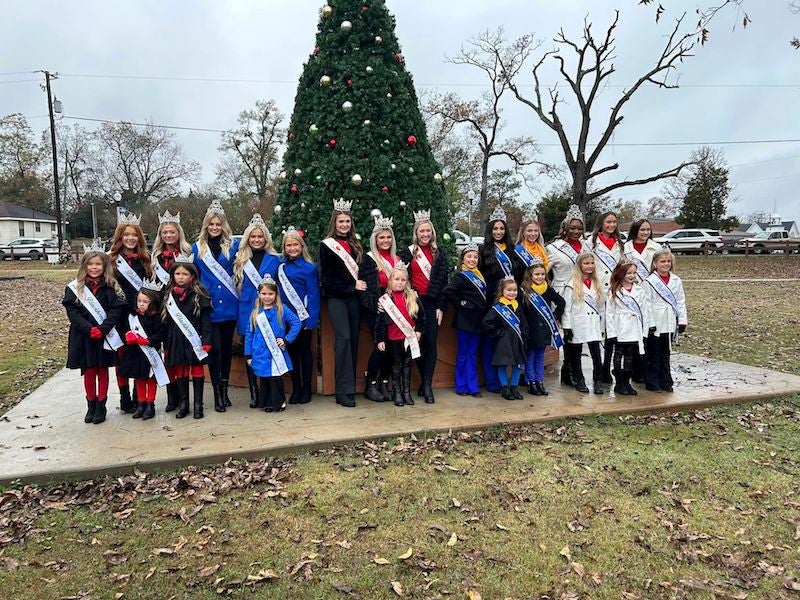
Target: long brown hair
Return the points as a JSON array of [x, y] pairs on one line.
[[141, 247], [108, 273], [527, 279], [257, 306], [196, 287], [598, 227], [504, 283], [618, 277], [350, 238]]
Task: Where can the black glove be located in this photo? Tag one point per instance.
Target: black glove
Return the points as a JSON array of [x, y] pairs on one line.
[[651, 331], [568, 335], [681, 328]]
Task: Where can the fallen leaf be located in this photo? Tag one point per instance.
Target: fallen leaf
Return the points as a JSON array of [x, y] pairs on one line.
[[397, 588], [565, 553], [162, 551], [123, 514], [407, 554], [791, 583], [579, 569], [260, 577], [208, 571], [114, 558], [9, 563], [473, 595], [453, 539], [456, 503], [501, 526], [380, 561]]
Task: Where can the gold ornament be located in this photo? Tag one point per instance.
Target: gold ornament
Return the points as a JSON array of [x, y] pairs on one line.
[[356, 180], [325, 80], [437, 178], [326, 10]]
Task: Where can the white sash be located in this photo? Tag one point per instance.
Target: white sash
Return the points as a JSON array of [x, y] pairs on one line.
[[92, 304], [218, 272], [291, 294], [279, 366], [387, 268], [157, 367], [591, 300], [605, 257], [567, 250], [128, 272], [252, 273], [423, 262], [641, 269], [345, 257], [161, 272], [402, 324], [186, 327], [663, 290]]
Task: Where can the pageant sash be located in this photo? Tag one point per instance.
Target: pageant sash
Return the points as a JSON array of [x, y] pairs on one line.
[[386, 268], [252, 273], [524, 255], [92, 304], [291, 293], [186, 327], [632, 305], [591, 301], [219, 272], [568, 250], [152, 355], [543, 308], [423, 262], [161, 272], [343, 255], [641, 269], [511, 318], [128, 272], [605, 257], [504, 261], [403, 325], [663, 290], [279, 366], [476, 281]]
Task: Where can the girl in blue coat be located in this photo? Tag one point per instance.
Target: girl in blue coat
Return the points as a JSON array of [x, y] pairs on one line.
[[271, 328], [255, 258], [298, 282], [214, 252]]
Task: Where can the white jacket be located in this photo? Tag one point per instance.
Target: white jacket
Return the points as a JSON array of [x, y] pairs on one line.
[[645, 258], [665, 318], [587, 325], [623, 323], [560, 263], [603, 272]]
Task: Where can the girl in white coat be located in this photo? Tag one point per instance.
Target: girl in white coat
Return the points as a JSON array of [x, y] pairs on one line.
[[629, 320], [584, 322], [668, 305]]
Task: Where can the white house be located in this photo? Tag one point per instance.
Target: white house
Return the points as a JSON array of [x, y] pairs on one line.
[[775, 223], [17, 221]]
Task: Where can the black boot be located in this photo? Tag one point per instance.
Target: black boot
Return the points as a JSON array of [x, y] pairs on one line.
[[514, 390], [197, 385], [305, 393], [371, 391], [125, 402], [619, 386], [252, 383], [139, 412], [576, 371], [566, 373], [397, 385], [607, 358], [427, 391], [540, 387], [505, 392], [626, 381], [598, 386], [182, 390], [172, 398], [99, 411], [223, 392], [532, 389], [149, 411], [406, 382], [90, 406], [383, 388], [219, 401]]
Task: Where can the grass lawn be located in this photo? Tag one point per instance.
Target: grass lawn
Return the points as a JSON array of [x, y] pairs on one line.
[[693, 505]]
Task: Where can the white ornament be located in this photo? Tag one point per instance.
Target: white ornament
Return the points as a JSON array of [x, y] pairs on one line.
[[437, 177], [326, 10], [389, 95], [392, 166], [282, 176], [346, 26], [402, 203], [325, 80], [446, 237], [302, 205], [277, 209], [347, 106], [356, 180], [313, 128], [378, 39], [411, 170], [369, 70], [298, 171], [367, 122]]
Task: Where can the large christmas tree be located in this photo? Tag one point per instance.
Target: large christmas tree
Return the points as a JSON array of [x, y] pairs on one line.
[[356, 131]]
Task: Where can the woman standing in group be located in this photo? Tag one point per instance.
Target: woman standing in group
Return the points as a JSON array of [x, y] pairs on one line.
[[340, 258], [214, 253], [530, 245], [427, 266], [255, 258], [131, 263], [497, 261], [562, 255]]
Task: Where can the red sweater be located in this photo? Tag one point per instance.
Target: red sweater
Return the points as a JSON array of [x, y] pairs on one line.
[[418, 280], [393, 331]]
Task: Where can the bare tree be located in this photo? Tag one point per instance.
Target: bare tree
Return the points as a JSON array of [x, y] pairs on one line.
[[20, 155], [593, 66], [498, 62], [661, 207]]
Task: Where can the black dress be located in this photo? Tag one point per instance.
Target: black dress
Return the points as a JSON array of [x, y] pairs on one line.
[[492, 270], [335, 280], [177, 349], [469, 303], [130, 291], [82, 351], [509, 348], [539, 334], [133, 363]]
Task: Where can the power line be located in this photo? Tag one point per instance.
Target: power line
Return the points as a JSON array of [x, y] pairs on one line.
[[177, 127], [16, 73], [18, 80]]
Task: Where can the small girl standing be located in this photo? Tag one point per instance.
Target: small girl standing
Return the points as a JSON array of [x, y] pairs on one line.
[[187, 315], [668, 304], [542, 322], [271, 329], [629, 321], [144, 333], [584, 322], [398, 329], [467, 293], [506, 324], [94, 303]]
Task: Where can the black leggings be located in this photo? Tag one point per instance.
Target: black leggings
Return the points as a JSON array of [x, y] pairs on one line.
[[575, 351], [427, 362], [658, 374], [302, 361], [221, 351], [270, 392], [624, 353]]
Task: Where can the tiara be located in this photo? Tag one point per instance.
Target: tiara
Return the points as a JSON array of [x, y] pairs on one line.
[[127, 218], [498, 214], [536, 261], [185, 258], [400, 265], [215, 208], [257, 221], [169, 218], [422, 216], [534, 218], [268, 279], [342, 205], [382, 223], [471, 247], [153, 285], [97, 245], [574, 213], [509, 278]]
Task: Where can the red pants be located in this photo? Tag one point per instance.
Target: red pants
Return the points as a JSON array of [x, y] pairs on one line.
[[185, 371]]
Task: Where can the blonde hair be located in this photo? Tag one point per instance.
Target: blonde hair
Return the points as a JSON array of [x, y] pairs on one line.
[[521, 233], [415, 240], [502, 285], [245, 252], [295, 235], [141, 247], [661, 253], [108, 273], [373, 246], [351, 235], [577, 278], [409, 295], [257, 305], [183, 245], [227, 234]]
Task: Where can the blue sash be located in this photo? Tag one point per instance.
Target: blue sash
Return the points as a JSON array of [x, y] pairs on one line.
[[524, 255], [565, 248], [543, 308], [511, 318], [663, 290], [605, 257], [632, 305], [504, 261], [476, 281], [641, 269], [591, 302]]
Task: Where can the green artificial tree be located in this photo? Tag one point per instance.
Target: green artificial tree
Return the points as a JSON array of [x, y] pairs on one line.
[[357, 133]]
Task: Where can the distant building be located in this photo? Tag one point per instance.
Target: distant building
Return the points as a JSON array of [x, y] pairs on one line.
[[17, 221], [775, 223], [660, 226]]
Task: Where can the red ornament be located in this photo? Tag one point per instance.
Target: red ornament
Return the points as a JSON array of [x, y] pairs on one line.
[[365, 7], [293, 190], [291, 136], [411, 140], [316, 50], [349, 82], [332, 143], [385, 189]]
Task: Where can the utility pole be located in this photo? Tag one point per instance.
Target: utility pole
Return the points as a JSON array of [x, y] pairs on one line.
[[59, 224]]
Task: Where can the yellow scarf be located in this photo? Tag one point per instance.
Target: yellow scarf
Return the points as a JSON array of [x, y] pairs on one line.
[[536, 250], [512, 303], [500, 245], [477, 273], [539, 288]]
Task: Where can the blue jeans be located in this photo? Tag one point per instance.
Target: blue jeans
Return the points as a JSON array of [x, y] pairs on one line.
[[534, 366], [467, 362], [489, 371]]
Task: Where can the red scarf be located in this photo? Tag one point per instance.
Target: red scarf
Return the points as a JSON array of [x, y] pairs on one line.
[[639, 247], [577, 245], [93, 283], [131, 257], [608, 242], [168, 257], [393, 331], [587, 282], [180, 292], [418, 280], [665, 278]]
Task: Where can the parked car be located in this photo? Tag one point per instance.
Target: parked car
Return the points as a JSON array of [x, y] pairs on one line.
[[692, 240], [768, 241], [33, 248], [462, 239]]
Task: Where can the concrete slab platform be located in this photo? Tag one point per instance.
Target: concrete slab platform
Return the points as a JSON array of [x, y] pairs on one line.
[[44, 437]]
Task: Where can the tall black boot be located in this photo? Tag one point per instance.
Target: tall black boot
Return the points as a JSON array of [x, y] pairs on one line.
[[198, 385], [626, 381], [383, 388], [619, 386], [99, 411], [427, 390], [223, 391], [172, 397], [90, 405], [576, 370], [406, 382], [252, 383], [371, 391], [397, 384], [182, 390], [566, 369], [125, 402], [219, 401], [607, 358]]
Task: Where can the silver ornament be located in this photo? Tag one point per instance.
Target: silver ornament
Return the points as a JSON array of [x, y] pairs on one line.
[[356, 180], [325, 80], [318, 177], [411, 170], [392, 166], [369, 70], [437, 178], [302, 205], [389, 95], [378, 39], [386, 142], [326, 10], [277, 209], [313, 128], [298, 171], [347, 106], [346, 26], [367, 122]]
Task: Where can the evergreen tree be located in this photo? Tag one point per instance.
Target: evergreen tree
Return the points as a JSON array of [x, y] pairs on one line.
[[357, 132], [705, 192]]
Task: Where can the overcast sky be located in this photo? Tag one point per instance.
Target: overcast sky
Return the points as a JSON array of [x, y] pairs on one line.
[[743, 85]]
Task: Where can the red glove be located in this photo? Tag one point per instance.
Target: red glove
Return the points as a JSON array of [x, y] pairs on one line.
[[130, 337], [95, 333], [141, 340], [207, 347]]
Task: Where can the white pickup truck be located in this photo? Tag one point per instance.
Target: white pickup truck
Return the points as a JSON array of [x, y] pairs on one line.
[[769, 241]]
